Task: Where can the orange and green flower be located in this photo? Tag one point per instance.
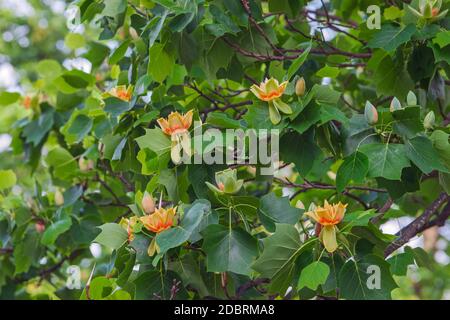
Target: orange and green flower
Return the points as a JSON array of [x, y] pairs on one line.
[[162, 219], [177, 127], [328, 217], [121, 92], [271, 91], [429, 10], [226, 182]]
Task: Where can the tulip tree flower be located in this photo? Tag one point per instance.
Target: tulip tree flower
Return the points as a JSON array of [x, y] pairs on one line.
[[271, 91], [160, 220], [429, 10], [226, 182], [120, 92], [177, 127], [328, 217]]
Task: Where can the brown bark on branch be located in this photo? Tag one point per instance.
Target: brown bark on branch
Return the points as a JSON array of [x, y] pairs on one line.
[[416, 226]]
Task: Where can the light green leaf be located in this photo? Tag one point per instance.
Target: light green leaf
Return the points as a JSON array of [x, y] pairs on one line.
[[112, 235], [313, 275], [7, 179], [155, 140]]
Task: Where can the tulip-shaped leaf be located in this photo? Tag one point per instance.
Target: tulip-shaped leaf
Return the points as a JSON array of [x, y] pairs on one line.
[[366, 279], [313, 275], [354, 167], [277, 262], [229, 249]]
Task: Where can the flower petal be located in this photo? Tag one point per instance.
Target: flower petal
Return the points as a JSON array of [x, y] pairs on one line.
[[283, 107], [274, 114], [328, 236]]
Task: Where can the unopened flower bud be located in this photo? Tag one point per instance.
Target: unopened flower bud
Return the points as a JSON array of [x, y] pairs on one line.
[[395, 105], [83, 164], [370, 113], [428, 122], [134, 35], [148, 204], [39, 226], [411, 99], [59, 198], [300, 87]]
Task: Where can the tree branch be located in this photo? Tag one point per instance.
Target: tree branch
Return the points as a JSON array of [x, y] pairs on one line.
[[416, 226]]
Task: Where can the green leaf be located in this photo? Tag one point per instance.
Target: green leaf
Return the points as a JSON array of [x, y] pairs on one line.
[[440, 141], [359, 218], [116, 107], [160, 64], [274, 210], [25, 252], [421, 152], [80, 127], [99, 289], [114, 7], [385, 160], [392, 79], [119, 53], [391, 36], [313, 275], [74, 41], [358, 279], [153, 284], [7, 98], [407, 121], [400, 262], [179, 234], [7, 179], [297, 63], [228, 249], [124, 264], [155, 140], [188, 269], [64, 165], [222, 120], [48, 69], [292, 142], [354, 167], [222, 23], [55, 230], [327, 71], [37, 130], [442, 38], [112, 235], [277, 262]]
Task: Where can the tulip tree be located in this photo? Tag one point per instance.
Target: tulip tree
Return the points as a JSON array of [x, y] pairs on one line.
[[96, 159]]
